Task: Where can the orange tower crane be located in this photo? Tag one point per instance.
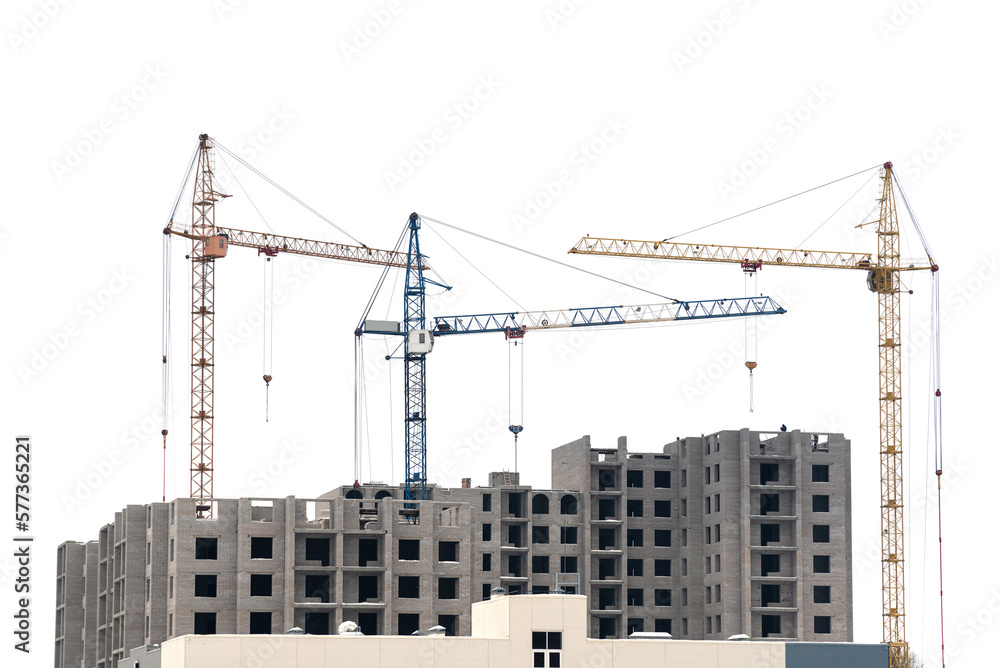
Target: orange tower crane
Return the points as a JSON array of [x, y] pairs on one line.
[[210, 243], [883, 272]]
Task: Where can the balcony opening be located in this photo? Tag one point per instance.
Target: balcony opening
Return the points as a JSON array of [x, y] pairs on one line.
[[770, 625], [606, 539], [318, 549], [769, 504], [514, 505], [606, 598], [770, 563], [606, 509], [770, 594], [368, 589], [368, 552], [770, 533], [368, 622], [317, 623], [318, 586]]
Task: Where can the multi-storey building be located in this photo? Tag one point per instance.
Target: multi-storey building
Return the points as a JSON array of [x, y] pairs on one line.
[[736, 532]]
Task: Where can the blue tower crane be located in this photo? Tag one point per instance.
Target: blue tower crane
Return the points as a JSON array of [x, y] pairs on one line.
[[418, 339]]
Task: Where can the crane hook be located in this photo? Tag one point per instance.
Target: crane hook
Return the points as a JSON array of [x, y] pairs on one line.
[[267, 397]]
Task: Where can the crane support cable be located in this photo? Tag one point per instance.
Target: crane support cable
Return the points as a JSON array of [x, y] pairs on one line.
[[936, 395], [764, 206], [380, 282], [474, 266], [916, 225], [249, 199], [293, 197], [542, 257], [184, 182], [361, 420], [358, 380], [811, 234]]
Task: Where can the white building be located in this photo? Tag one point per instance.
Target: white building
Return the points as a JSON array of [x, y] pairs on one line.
[[507, 632]]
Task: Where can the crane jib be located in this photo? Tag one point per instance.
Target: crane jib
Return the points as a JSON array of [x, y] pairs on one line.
[[588, 317]]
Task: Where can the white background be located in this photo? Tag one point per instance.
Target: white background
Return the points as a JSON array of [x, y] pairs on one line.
[[711, 110]]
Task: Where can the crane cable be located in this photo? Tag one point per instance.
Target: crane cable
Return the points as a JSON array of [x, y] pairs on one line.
[[165, 351], [232, 173], [358, 390], [166, 336], [764, 206], [290, 195], [184, 181], [542, 257], [936, 394], [830, 217], [268, 337], [748, 328], [359, 380], [476, 267], [515, 429]]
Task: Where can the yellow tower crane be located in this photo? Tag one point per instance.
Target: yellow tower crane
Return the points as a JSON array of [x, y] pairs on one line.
[[883, 272], [210, 243]]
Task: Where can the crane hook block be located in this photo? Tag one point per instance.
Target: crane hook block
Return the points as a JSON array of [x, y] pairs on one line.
[[751, 366], [267, 380], [516, 429]]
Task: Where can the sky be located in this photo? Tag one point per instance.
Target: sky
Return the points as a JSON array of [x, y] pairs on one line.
[[533, 124]]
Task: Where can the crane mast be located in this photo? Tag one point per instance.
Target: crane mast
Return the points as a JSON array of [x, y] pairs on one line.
[[415, 358], [884, 280], [203, 324]]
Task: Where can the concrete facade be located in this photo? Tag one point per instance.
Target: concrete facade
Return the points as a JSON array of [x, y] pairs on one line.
[[714, 536]]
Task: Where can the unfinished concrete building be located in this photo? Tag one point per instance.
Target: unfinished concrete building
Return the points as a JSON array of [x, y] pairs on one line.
[[736, 532]]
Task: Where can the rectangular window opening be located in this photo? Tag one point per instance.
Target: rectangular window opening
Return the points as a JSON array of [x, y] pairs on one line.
[[260, 623], [205, 585], [260, 584], [409, 549], [448, 550], [447, 588], [261, 547], [206, 548], [409, 586]]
